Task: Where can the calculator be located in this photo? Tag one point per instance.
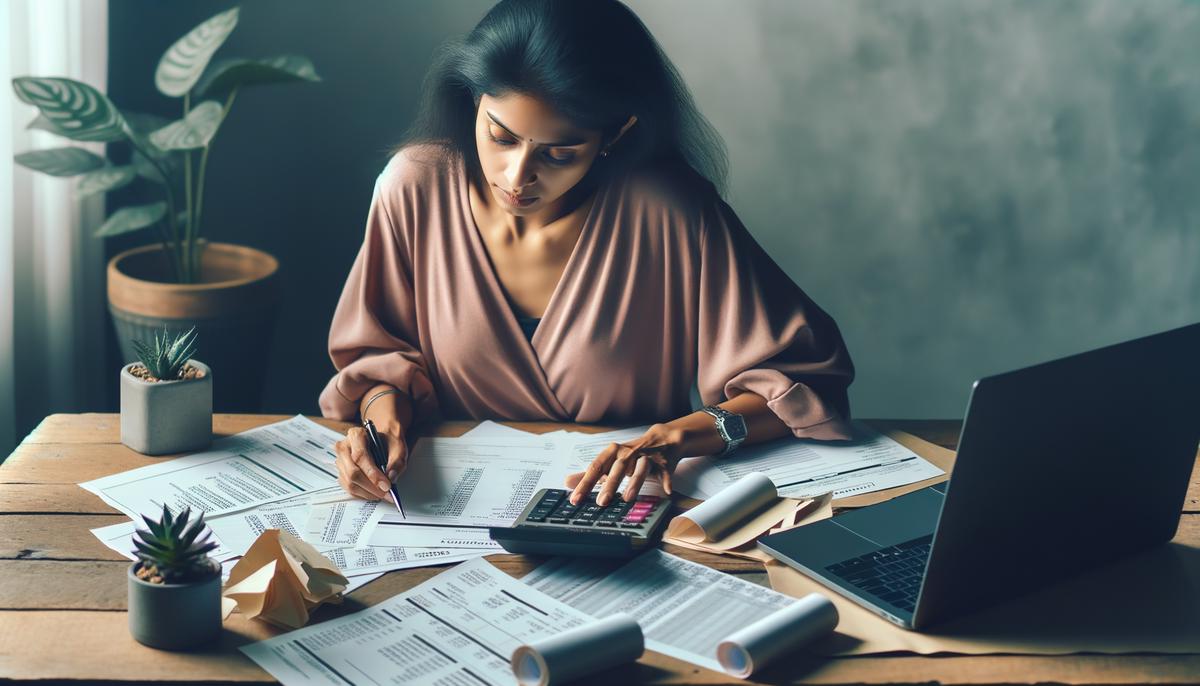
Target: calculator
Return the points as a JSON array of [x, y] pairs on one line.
[[551, 525]]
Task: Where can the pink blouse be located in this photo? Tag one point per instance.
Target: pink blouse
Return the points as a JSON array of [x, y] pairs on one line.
[[664, 288]]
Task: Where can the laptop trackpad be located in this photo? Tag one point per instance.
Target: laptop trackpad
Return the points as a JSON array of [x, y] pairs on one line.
[[898, 520]]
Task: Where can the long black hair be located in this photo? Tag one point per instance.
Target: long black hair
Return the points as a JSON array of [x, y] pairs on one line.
[[593, 61]]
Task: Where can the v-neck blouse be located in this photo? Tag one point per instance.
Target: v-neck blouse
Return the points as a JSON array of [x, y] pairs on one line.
[[528, 326], [665, 288]]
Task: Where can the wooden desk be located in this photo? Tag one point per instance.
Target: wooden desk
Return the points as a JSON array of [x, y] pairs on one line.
[[62, 593]]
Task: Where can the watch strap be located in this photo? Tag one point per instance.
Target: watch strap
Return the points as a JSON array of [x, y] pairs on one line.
[[720, 414]]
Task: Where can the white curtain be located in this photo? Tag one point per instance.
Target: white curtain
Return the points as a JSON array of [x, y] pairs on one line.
[[53, 321]]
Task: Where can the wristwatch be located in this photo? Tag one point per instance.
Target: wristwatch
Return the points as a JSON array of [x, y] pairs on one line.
[[730, 425]]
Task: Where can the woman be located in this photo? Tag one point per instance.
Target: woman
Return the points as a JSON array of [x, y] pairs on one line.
[[549, 244]]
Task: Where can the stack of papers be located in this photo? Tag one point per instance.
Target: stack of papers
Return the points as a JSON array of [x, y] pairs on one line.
[[808, 468], [278, 476], [460, 627], [685, 609], [455, 488], [282, 476]]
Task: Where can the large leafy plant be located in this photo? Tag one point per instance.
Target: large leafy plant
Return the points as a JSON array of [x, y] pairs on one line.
[[162, 149]]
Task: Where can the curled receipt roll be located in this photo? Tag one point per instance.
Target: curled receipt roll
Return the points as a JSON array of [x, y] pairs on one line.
[[780, 632], [587, 649]]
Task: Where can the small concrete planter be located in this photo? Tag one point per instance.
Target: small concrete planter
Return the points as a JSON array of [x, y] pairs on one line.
[[175, 616], [161, 417]]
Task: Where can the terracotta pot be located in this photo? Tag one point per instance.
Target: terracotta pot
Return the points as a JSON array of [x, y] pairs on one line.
[[233, 307]]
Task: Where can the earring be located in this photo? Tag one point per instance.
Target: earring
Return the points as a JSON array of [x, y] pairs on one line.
[[604, 153]]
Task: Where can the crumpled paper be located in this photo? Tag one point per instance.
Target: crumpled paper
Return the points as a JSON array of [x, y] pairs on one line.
[[280, 580]]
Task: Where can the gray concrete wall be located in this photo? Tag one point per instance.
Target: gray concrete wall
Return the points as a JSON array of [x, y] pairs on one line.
[[965, 187]]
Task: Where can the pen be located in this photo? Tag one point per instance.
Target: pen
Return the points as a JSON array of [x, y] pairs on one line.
[[380, 458]]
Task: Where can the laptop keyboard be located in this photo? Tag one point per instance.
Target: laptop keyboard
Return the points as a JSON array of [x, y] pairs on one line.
[[892, 574]]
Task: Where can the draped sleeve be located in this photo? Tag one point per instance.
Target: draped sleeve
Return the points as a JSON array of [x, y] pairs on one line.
[[758, 332], [373, 338]]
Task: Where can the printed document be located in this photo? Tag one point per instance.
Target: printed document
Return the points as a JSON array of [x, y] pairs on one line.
[[393, 531], [685, 609], [460, 627], [803, 468], [340, 523], [367, 559], [583, 448], [579, 448], [477, 482], [258, 466], [490, 429], [280, 471], [119, 538], [328, 518], [487, 477]]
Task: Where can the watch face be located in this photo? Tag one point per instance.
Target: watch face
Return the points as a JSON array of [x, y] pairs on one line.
[[735, 426]]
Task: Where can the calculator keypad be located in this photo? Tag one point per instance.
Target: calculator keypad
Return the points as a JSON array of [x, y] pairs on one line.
[[550, 525], [555, 508]]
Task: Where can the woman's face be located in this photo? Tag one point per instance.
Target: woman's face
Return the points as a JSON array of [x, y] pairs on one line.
[[528, 149]]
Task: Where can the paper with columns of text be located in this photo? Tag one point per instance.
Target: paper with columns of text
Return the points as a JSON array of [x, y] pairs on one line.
[[804, 468], [486, 477], [325, 518], [119, 537], [685, 609], [262, 465], [460, 627]]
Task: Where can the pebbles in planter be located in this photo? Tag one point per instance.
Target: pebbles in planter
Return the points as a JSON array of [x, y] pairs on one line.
[[166, 398]]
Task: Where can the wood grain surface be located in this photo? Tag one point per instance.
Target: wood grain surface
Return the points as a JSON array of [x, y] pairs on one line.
[[63, 595]]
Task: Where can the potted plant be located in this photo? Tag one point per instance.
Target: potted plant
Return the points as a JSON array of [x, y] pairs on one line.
[[166, 398], [180, 280], [174, 586]]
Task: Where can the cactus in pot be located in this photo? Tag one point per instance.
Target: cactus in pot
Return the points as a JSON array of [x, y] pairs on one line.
[[166, 397], [174, 586]]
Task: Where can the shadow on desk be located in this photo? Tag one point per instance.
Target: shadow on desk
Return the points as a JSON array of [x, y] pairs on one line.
[[1146, 603]]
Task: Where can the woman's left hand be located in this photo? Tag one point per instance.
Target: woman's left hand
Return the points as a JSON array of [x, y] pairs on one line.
[[657, 451]]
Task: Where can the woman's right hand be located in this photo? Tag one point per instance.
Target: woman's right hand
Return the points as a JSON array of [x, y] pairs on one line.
[[357, 473]]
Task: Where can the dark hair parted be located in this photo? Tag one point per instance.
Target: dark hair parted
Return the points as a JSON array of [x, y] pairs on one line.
[[593, 61]]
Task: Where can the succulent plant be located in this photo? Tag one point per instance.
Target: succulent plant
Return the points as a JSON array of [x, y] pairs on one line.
[[172, 550], [168, 354]]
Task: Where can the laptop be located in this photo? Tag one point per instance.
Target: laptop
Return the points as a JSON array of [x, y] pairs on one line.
[[1061, 467]]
